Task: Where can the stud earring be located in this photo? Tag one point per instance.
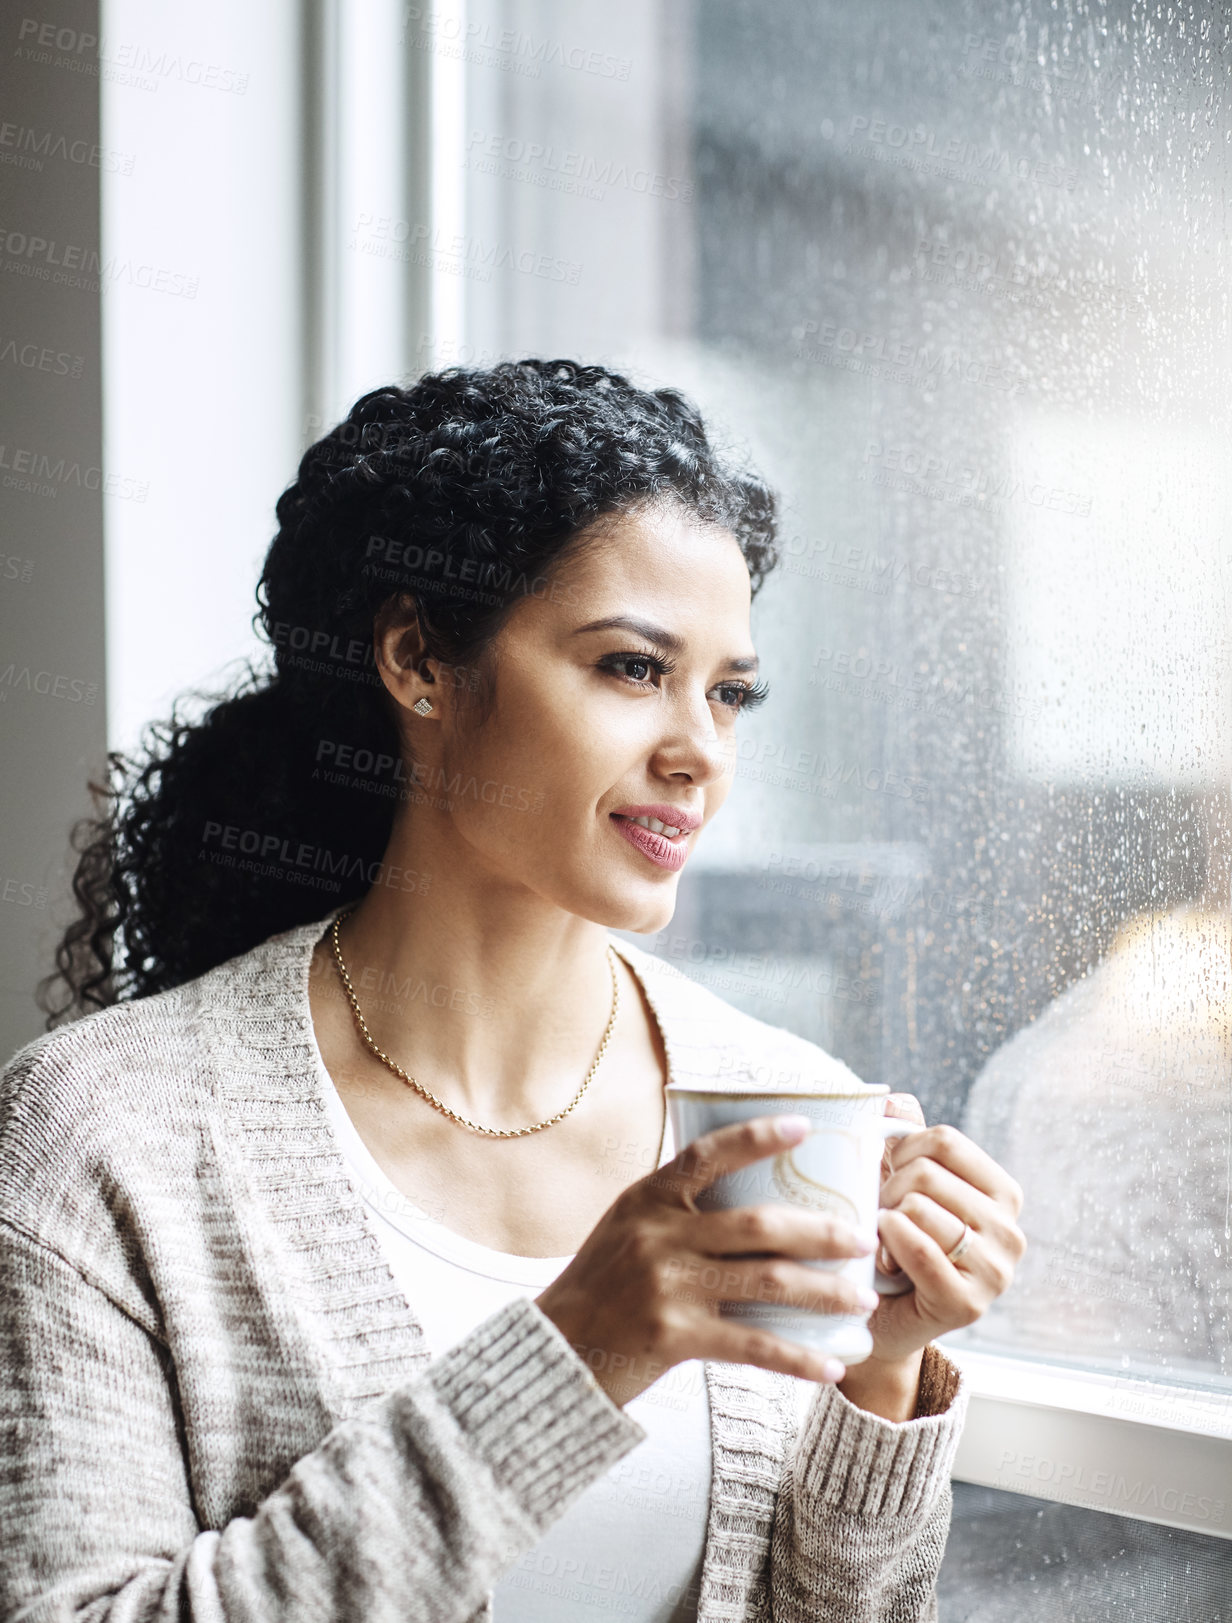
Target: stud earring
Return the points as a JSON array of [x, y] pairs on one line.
[[421, 707]]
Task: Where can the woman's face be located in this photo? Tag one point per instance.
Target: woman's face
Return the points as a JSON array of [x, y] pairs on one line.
[[615, 688]]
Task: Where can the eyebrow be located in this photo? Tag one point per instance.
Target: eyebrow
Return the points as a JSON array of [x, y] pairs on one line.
[[660, 635]]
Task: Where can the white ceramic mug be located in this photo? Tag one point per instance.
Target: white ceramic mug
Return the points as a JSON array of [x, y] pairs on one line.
[[836, 1168]]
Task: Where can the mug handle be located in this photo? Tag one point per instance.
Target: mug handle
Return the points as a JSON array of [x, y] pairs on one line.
[[894, 1284]]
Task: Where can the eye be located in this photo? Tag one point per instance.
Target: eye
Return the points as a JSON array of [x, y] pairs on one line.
[[742, 695], [636, 668]]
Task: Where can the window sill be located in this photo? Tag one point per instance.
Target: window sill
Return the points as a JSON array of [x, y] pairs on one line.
[[1125, 1445]]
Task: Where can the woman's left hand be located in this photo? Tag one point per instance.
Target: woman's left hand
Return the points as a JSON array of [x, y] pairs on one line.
[[938, 1180]]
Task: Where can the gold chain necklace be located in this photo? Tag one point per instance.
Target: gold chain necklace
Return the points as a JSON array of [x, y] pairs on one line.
[[492, 1132]]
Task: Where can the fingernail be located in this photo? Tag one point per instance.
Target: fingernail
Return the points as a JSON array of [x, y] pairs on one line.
[[865, 1244], [793, 1128], [832, 1370], [867, 1298]]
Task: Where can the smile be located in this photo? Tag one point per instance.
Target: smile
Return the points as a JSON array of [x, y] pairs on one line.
[[665, 846], [656, 827]]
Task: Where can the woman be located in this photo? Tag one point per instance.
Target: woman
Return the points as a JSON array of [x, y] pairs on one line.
[[344, 1256]]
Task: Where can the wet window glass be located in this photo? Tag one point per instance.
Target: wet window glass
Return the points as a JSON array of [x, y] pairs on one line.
[[956, 278]]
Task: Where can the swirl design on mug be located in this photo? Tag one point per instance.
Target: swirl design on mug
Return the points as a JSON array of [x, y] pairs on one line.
[[795, 1185]]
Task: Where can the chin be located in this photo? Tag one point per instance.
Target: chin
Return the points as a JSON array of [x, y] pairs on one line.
[[642, 915]]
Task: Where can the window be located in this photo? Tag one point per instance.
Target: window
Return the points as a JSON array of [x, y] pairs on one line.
[[952, 276]]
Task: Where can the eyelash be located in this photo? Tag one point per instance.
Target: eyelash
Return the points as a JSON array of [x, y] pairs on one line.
[[752, 693]]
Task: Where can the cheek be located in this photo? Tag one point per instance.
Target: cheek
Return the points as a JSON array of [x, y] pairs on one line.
[[497, 794], [512, 779], [559, 739]]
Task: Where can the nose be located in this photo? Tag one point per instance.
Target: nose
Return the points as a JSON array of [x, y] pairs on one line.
[[692, 749]]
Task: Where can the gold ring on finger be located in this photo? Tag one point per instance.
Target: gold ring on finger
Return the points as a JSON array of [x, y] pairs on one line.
[[960, 1248]]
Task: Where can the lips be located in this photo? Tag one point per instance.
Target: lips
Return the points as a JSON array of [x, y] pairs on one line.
[[662, 811], [670, 851]]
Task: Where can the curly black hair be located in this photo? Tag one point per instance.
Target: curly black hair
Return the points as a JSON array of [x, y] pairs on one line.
[[462, 491]]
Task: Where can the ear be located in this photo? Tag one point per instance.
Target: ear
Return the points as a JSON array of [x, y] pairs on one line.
[[412, 677]]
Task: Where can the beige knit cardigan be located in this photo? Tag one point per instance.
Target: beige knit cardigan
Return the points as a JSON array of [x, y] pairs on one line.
[[217, 1404]]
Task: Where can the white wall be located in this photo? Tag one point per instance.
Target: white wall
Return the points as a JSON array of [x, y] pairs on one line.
[[202, 368]]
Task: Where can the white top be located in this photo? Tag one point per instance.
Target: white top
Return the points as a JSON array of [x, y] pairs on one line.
[[632, 1542]]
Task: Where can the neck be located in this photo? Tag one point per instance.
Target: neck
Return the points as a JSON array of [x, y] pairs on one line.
[[494, 1000]]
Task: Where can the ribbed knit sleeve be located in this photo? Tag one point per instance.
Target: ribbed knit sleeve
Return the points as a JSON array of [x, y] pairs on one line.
[[409, 1511], [863, 1511]]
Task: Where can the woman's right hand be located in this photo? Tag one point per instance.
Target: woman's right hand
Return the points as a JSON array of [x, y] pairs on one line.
[[643, 1292]]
